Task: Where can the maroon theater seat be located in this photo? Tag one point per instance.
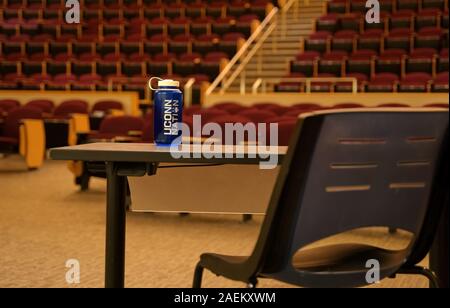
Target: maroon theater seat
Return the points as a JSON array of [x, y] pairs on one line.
[[383, 82], [285, 131], [231, 108], [9, 104], [347, 105], [393, 105], [226, 120], [107, 105], [440, 83], [257, 115], [45, 105], [9, 139], [66, 108], [208, 115], [264, 105], [118, 126], [415, 82], [306, 106]]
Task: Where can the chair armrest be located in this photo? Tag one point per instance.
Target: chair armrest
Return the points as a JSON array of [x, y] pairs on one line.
[[79, 123], [116, 112], [32, 142]]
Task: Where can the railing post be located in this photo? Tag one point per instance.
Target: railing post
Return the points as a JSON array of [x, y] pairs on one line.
[[243, 81], [188, 92], [308, 85], [259, 68]]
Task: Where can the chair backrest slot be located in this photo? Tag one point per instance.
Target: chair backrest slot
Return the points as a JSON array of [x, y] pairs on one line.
[[413, 163], [418, 139], [339, 166], [337, 189], [361, 141], [407, 185]]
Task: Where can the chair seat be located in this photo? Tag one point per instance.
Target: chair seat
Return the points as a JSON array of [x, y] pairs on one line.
[[325, 266], [329, 266]]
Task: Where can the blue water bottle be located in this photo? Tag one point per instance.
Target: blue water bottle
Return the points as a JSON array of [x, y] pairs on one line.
[[167, 111]]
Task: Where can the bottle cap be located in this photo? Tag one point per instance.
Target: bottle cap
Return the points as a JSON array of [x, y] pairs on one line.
[[168, 83]]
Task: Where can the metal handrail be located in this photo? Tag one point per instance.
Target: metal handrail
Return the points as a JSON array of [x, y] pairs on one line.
[[307, 80], [188, 92], [242, 51], [244, 62]]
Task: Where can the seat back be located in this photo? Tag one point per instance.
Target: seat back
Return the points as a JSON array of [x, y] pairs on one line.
[[43, 104], [121, 125], [12, 121], [67, 108], [353, 169], [8, 104], [107, 105]]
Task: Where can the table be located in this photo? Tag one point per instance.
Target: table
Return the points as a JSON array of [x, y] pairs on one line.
[[139, 159]]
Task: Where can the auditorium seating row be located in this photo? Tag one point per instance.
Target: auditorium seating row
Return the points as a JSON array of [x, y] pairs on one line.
[[376, 40], [406, 53], [92, 68], [114, 52], [39, 48], [387, 6], [408, 19], [26, 129], [119, 29], [105, 10], [391, 71]]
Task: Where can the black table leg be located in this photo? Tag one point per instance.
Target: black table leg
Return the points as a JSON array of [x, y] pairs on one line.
[[439, 258], [115, 228]]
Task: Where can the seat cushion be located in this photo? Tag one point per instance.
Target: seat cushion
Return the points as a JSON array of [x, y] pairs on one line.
[[332, 265]]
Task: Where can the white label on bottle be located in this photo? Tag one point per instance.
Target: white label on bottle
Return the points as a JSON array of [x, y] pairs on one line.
[[171, 110]]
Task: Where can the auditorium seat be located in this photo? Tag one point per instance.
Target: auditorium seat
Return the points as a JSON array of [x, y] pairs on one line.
[[393, 105], [68, 107], [440, 83], [257, 115], [23, 133], [415, 82], [107, 106], [112, 129], [45, 105], [383, 82], [8, 104]]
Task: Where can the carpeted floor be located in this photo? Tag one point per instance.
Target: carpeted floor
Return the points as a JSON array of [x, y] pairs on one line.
[[45, 220]]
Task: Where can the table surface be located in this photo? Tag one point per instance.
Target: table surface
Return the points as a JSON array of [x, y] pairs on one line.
[[146, 152]]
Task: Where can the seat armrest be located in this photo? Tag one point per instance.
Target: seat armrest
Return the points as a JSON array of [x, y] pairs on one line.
[[32, 142]]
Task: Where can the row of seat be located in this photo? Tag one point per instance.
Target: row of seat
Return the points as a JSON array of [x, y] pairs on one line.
[[388, 22], [62, 31], [369, 63], [224, 113], [132, 48], [117, 11], [383, 82], [395, 58], [388, 6], [136, 129], [377, 40], [97, 69]]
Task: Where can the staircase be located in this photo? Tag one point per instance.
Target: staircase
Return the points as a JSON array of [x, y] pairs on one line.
[[281, 46]]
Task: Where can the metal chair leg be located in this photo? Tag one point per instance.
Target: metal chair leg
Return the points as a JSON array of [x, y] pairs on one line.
[[434, 281], [247, 217], [252, 283], [198, 275], [392, 230]]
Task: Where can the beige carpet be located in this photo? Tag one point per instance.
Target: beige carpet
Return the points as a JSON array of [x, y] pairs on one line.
[[45, 220]]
